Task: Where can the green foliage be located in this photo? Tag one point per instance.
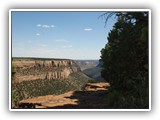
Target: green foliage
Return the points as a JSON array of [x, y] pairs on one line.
[[14, 96], [34, 88], [116, 99], [13, 70], [125, 61]]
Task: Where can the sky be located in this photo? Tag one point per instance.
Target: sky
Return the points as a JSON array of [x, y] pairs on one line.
[[69, 35]]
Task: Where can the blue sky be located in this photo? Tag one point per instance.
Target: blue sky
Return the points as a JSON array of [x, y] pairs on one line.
[[71, 35]]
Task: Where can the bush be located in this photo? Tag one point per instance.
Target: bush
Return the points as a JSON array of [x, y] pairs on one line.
[[13, 70]]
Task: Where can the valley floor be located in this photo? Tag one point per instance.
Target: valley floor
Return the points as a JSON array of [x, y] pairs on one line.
[[91, 98]]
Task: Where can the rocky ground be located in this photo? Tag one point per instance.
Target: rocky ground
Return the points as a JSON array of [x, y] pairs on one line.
[[91, 98]]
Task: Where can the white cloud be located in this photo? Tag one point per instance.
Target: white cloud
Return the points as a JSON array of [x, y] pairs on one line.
[[43, 45], [55, 53], [42, 51], [88, 29], [37, 34], [39, 25], [45, 26], [67, 46], [62, 40], [52, 26]]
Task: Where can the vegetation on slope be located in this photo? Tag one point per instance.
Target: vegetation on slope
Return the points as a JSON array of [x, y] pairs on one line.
[[34, 88], [13, 71]]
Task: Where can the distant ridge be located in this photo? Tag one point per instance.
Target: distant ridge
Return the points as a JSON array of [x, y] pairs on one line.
[[38, 58], [85, 64]]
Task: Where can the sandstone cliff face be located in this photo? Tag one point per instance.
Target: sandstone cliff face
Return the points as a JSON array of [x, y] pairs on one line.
[[43, 69]]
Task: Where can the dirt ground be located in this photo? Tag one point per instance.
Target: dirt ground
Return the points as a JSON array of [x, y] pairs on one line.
[[91, 98]]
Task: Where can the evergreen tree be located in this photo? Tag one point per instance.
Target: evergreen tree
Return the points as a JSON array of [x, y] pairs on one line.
[[125, 61]]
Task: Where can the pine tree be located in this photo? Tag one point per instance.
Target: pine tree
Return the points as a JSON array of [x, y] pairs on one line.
[[125, 61]]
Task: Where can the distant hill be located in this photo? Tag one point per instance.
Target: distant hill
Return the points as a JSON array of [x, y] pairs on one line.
[[85, 64], [92, 68], [94, 73], [100, 64]]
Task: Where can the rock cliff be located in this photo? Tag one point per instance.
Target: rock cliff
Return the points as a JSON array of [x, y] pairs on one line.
[[35, 69]]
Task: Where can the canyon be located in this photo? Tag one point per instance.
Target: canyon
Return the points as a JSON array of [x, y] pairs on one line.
[[41, 69], [35, 77]]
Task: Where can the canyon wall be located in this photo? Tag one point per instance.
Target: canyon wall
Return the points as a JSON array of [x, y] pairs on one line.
[[35, 69]]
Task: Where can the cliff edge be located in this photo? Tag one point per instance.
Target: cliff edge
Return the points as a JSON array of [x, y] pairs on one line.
[[42, 69]]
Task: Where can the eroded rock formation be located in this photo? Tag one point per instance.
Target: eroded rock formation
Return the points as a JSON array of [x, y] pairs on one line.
[[43, 69]]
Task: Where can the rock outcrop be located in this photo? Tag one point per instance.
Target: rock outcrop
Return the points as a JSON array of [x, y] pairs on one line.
[[31, 69]]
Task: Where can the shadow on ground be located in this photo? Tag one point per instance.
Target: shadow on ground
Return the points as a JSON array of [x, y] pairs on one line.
[[86, 100], [93, 97]]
